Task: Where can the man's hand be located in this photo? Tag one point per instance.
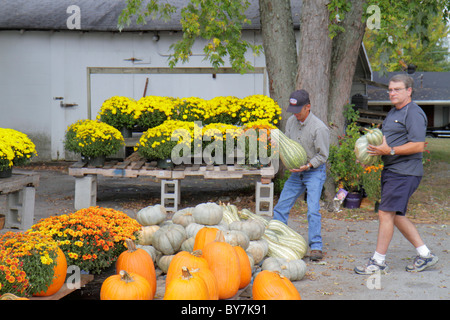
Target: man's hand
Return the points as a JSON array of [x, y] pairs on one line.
[[382, 149], [306, 167]]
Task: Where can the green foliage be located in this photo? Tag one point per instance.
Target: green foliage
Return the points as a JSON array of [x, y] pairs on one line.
[[218, 22], [409, 31], [344, 168], [338, 10]]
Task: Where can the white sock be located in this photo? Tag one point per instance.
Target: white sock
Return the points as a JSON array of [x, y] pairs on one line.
[[423, 251], [379, 258]]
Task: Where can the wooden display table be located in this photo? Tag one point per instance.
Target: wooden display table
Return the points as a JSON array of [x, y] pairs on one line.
[[20, 191], [86, 180]]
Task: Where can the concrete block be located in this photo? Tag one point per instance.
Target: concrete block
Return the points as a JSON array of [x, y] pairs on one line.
[[20, 211], [264, 198], [85, 191], [170, 194]]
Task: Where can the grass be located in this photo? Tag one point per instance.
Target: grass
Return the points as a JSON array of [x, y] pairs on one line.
[[430, 202]]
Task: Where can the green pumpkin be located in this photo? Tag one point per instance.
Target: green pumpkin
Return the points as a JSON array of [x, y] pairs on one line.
[[374, 136]]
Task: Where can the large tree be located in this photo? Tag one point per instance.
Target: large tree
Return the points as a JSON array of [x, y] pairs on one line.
[[331, 33]]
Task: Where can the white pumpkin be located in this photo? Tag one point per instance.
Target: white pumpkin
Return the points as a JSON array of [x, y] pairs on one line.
[[252, 227], [294, 270], [168, 239], [183, 217], [150, 250], [237, 238], [146, 233], [258, 249], [151, 215], [209, 213], [164, 261], [188, 244]]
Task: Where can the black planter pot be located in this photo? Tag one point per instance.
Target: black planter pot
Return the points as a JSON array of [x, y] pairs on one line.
[[353, 200]]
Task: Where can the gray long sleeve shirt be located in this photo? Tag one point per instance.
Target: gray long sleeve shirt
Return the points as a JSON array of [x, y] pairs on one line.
[[313, 135]]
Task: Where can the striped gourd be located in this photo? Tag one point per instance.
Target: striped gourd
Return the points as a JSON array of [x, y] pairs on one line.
[[292, 154], [288, 236], [280, 250], [229, 213]]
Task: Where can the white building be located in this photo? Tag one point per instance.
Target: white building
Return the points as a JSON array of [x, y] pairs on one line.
[[60, 59]]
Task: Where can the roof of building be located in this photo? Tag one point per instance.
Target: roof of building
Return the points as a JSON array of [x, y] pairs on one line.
[[98, 15], [429, 87]]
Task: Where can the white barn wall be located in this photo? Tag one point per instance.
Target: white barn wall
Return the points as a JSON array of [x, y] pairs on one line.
[[38, 66]]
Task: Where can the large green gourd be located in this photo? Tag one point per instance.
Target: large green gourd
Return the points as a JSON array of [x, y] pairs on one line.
[[292, 154], [373, 137]]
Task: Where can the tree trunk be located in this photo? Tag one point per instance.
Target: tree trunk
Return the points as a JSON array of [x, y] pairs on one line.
[[345, 53], [315, 55], [280, 51]]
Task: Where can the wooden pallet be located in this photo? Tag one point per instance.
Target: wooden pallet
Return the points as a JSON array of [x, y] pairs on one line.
[[133, 169], [18, 181]]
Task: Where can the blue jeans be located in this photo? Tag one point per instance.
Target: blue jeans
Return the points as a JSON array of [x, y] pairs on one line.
[[312, 181]]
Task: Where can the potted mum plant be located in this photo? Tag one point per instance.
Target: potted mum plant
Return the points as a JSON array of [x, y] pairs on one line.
[[91, 238], [15, 149], [154, 111], [344, 167], [120, 112], [32, 261], [94, 140], [157, 143], [371, 181]]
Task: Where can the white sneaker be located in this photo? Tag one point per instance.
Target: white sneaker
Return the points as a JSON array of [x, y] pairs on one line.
[[372, 267]]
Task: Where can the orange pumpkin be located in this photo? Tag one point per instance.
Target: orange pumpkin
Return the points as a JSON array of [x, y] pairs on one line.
[[126, 286], [137, 260], [187, 287], [270, 285], [190, 260], [59, 276], [204, 236], [210, 281], [223, 261], [246, 268]]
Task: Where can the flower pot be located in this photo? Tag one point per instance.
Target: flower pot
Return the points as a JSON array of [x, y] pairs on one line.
[[353, 200], [6, 173], [126, 132], [165, 163], [96, 161]]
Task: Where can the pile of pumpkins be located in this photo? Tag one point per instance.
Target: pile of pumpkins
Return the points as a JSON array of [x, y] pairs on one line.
[[209, 252]]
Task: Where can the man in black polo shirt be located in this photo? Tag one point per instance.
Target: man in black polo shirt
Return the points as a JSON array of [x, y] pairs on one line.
[[404, 132]]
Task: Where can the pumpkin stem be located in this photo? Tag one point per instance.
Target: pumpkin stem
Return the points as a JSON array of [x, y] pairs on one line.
[[125, 276], [130, 245], [185, 274]]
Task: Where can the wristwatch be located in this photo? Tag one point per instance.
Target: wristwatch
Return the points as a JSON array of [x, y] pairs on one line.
[[392, 151], [309, 165]]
